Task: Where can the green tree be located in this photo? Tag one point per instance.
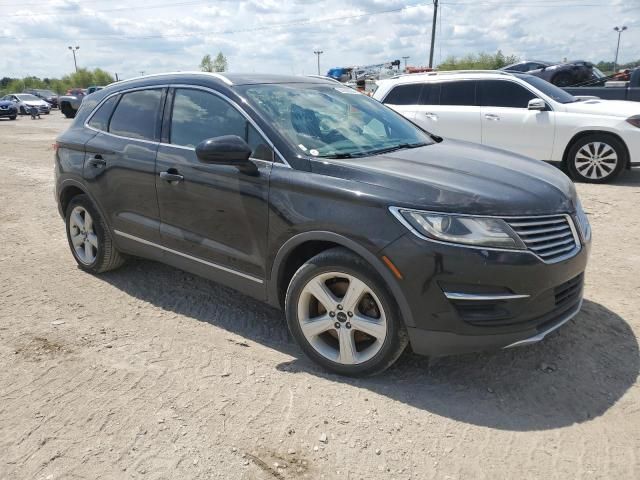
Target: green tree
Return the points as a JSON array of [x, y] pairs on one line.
[[206, 65], [479, 61], [220, 63]]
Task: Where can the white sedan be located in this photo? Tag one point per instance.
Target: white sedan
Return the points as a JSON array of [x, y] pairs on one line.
[[25, 101], [593, 139]]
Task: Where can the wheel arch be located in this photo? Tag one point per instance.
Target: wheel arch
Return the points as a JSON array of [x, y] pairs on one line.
[[300, 248], [586, 133]]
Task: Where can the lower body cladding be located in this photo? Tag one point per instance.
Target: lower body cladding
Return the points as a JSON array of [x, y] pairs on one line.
[[459, 300]]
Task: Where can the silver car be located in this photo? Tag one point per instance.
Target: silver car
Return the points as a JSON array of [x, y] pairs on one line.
[[25, 101]]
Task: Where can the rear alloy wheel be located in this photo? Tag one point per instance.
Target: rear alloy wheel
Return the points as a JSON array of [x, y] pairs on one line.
[[596, 159], [342, 315], [89, 238]]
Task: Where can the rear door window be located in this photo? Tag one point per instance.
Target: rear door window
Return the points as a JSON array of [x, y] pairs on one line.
[[100, 119], [458, 93], [503, 93], [404, 94], [137, 115]]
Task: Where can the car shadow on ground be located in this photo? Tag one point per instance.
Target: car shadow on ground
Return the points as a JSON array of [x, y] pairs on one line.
[[628, 178], [574, 375]]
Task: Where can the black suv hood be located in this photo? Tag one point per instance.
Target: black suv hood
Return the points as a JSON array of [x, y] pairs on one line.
[[462, 177]]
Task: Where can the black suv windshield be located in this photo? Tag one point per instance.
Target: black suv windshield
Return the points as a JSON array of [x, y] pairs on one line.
[[333, 121], [549, 89]]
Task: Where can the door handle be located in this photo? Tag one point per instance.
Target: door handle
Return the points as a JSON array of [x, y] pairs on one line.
[[171, 176], [491, 116], [431, 115], [97, 161]]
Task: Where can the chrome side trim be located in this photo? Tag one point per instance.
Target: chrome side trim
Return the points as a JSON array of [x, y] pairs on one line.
[[541, 335], [482, 296], [190, 257]]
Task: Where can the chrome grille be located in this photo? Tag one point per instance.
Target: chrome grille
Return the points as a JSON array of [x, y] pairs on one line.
[[552, 238]]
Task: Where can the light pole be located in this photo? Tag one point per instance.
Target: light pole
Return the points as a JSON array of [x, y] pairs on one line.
[[318, 53], [433, 32], [619, 30], [405, 62], [73, 50]]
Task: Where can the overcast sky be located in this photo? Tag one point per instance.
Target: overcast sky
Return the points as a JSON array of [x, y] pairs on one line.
[[280, 35]]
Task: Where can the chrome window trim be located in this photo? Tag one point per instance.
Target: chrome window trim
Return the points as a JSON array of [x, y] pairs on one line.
[[488, 297], [121, 92], [395, 211], [190, 257], [283, 162]]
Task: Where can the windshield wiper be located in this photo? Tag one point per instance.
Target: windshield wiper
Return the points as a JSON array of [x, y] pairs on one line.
[[400, 146]]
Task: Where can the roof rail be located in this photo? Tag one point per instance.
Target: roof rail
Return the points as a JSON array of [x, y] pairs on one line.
[[451, 72], [219, 76]]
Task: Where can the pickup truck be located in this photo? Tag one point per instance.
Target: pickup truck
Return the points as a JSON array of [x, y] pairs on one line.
[[613, 90], [70, 102]]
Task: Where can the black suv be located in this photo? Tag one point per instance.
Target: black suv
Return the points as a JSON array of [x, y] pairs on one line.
[[368, 231]]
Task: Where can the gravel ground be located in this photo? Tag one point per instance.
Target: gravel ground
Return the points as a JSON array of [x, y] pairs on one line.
[[150, 372]]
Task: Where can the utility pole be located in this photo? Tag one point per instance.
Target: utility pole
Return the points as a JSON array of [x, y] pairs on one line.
[[619, 30], [318, 53], [405, 62], [73, 50], [142, 73], [433, 32], [117, 79]]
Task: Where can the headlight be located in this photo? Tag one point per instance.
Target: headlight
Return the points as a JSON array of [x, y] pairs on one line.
[[583, 222], [635, 120], [466, 230]]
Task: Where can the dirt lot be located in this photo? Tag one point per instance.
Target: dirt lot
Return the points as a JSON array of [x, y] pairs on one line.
[[149, 372]]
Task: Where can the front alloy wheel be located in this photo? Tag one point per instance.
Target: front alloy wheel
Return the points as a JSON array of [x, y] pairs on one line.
[[596, 159], [342, 315], [342, 318]]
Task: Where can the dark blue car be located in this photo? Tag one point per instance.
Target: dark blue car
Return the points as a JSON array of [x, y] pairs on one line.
[[8, 109]]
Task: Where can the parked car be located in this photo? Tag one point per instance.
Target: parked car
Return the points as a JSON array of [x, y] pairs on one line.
[[369, 232], [560, 74], [94, 88], [613, 90], [47, 95], [25, 101], [593, 139], [8, 109]]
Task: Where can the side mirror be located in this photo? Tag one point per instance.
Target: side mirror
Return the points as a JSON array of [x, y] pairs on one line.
[[537, 104], [225, 150]]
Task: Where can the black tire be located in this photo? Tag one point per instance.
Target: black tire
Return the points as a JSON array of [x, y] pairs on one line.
[[13, 117], [582, 174], [563, 79], [67, 111], [343, 261], [107, 256], [46, 113], [23, 111]]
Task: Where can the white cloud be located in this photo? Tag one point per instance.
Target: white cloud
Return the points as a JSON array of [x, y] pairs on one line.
[[121, 37]]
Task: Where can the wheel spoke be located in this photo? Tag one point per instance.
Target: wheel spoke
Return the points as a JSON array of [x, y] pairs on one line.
[[315, 326], [88, 222], [77, 240], [76, 219], [354, 294], [88, 251], [369, 325], [583, 167], [93, 239], [319, 289], [348, 350], [592, 172]]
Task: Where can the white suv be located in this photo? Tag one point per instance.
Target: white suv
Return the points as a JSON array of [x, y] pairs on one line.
[[594, 139]]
